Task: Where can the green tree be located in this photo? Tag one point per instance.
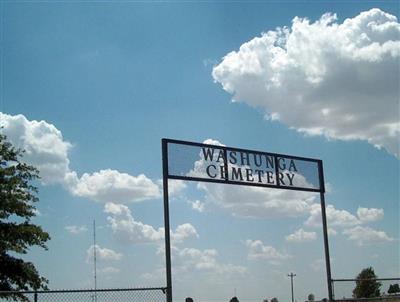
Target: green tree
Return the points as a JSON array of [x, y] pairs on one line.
[[394, 288], [311, 297], [366, 284], [274, 299], [17, 232]]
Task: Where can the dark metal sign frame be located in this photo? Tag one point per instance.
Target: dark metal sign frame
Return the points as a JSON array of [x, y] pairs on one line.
[[276, 157]]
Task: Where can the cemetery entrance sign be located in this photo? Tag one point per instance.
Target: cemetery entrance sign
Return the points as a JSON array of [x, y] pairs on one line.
[[227, 165]]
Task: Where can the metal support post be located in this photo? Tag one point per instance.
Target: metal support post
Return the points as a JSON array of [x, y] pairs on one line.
[[325, 231], [166, 220]]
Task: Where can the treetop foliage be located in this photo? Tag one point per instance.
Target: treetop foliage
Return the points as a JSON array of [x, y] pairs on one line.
[[17, 233], [394, 288], [366, 285]]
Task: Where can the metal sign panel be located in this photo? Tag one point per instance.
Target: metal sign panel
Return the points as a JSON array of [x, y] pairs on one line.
[[228, 165], [220, 164]]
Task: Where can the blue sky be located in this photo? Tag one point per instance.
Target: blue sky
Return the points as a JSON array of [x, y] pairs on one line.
[[108, 80]]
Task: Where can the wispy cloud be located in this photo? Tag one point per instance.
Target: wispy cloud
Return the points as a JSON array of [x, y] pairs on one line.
[[105, 254], [301, 236], [258, 251], [366, 235], [74, 229]]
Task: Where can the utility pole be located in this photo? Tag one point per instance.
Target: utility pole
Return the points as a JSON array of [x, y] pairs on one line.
[[291, 275]]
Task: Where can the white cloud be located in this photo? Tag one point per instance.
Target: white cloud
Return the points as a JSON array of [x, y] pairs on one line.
[[197, 205], [258, 251], [127, 229], [211, 141], [301, 236], [324, 78], [369, 215], [74, 229], [175, 186], [111, 185], [116, 209], [199, 260], [365, 235], [102, 254], [191, 259], [258, 202], [109, 270], [335, 218], [246, 201], [47, 150], [43, 143], [342, 218], [182, 232], [203, 263], [188, 260]]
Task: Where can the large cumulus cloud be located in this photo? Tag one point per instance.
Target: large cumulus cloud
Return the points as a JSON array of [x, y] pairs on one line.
[[44, 145], [326, 78], [46, 149]]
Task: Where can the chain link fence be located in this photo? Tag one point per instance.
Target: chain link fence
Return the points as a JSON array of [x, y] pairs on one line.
[[343, 289], [155, 294]]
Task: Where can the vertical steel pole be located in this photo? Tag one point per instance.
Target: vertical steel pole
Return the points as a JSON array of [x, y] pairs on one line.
[[35, 296], [292, 288], [166, 220], [325, 230], [291, 275], [276, 163], [226, 176]]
